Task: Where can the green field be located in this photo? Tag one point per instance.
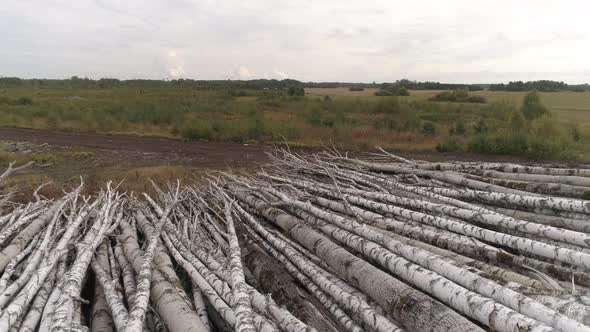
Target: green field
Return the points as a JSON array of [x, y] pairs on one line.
[[572, 108], [350, 121]]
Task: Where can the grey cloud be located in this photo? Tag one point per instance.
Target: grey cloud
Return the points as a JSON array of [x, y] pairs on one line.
[[369, 40]]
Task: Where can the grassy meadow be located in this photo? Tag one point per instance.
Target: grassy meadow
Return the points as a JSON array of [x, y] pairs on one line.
[[349, 119]]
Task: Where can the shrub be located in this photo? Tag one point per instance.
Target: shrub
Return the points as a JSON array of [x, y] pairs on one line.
[[53, 120], [458, 128], [480, 144], [481, 127], [515, 144], [444, 96], [197, 131], [459, 96], [575, 133], [256, 127], [517, 121], [388, 89], [388, 123], [356, 88], [271, 99], [384, 93], [520, 144], [532, 108], [501, 143], [403, 92], [387, 106], [448, 146], [476, 99], [296, 91], [314, 117], [428, 128], [410, 119], [240, 93], [24, 101], [540, 148]]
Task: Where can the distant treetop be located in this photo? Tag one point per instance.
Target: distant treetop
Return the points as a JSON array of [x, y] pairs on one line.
[[542, 85], [260, 84]]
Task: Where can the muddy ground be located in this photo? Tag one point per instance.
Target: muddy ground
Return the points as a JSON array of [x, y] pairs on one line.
[[142, 151], [136, 150], [135, 159]]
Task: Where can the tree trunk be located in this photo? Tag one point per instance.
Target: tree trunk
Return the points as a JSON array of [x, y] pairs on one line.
[[413, 309]]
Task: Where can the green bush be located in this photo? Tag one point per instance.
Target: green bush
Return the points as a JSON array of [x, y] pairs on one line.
[[532, 107], [458, 128], [21, 101], [240, 93], [459, 96], [388, 123], [476, 99], [256, 126], [575, 133], [428, 128], [543, 148], [271, 99], [296, 91], [314, 117], [403, 92], [481, 126], [24, 101], [517, 121], [520, 144], [448, 146], [389, 89], [387, 105], [53, 121], [197, 131]]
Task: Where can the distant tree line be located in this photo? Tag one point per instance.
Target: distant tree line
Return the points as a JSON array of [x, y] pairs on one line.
[[342, 85], [542, 85], [263, 84], [403, 83], [415, 85], [77, 82]]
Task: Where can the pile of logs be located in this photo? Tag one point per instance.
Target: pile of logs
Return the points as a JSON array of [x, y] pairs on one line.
[[310, 243]]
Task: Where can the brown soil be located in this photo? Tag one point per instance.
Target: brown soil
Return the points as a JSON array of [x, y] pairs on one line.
[[122, 150], [143, 151], [135, 160]]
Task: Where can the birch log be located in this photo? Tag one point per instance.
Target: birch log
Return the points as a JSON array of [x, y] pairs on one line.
[[394, 296]]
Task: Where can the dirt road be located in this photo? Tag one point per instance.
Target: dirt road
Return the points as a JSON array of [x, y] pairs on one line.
[[135, 150], [146, 151], [100, 158]]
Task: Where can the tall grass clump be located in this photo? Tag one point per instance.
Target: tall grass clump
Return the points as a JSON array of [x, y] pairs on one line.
[[458, 96], [529, 132]]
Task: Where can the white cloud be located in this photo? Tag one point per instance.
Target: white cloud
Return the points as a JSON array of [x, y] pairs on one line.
[[243, 73], [174, 65], [281, 75], [329, 40]]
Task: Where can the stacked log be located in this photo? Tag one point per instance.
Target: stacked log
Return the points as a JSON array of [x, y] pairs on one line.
[[310, 243]]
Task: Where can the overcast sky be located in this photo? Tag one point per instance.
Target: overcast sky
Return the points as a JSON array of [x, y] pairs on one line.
[[323, 40]]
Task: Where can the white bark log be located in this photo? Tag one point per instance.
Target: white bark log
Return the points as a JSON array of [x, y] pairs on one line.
[[390, 293], [171, 306], [242, 306], [461, 276]]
